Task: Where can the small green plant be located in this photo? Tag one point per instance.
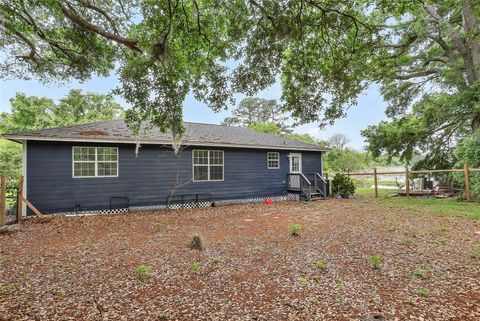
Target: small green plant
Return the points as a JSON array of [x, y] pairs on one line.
[[142, 271], [375, 261], [406, 241], [216, 260], [157, 227], [423, 293], [420, 273], [257, 248], [392, 228], [342, 185], [195, 266], [5, 288], [320, 264], [304, 281], [441, 230], [163, 315], [475, 254], [410, 300], [294, 229], [196, 243], [337, 283]]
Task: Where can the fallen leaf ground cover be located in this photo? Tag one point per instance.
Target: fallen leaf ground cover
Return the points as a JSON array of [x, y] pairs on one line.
[[347, 260]]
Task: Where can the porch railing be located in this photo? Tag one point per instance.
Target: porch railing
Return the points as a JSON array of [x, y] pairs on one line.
[[299, 182]]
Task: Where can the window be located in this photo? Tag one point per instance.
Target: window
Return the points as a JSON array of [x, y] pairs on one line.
[[95, 161], [207, 165], [273, 160], [295, 163]]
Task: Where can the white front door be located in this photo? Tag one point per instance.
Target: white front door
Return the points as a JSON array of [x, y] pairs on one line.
[[295, 162]]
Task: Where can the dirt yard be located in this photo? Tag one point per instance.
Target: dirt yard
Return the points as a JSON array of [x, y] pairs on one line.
[[138, 266]]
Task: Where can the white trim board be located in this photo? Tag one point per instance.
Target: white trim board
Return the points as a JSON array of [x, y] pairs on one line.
[[24, 174]]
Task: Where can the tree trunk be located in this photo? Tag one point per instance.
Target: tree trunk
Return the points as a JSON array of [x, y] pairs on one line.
[[476, 123], [470, 23]]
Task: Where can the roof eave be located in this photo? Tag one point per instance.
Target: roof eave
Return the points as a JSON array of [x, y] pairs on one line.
[[20, 138]]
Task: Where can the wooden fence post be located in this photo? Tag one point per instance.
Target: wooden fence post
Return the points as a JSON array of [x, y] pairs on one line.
[[407, 182], [19, 199], [467, 182], [375, 181], [3, 202]]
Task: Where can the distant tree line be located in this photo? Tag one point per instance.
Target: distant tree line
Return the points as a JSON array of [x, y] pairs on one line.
[[266, 116], [31, 112]]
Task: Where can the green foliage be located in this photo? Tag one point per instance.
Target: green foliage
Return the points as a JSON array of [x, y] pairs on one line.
[[420, 273], [142, 271], [320, 264], [346, 159], [294, 229], [31, 112], [253, 111], [164, 50], [196, 243], [195, 266], [375, 261], [5, 288], [342, 185], [475, 254], [267, 128], [423, 293], [10, 158], [163, 315]]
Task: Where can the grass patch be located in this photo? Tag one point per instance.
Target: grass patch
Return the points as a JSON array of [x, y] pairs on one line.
[[294, 229], [320, 264], [423, 293], [449, 207], [419, 273], [195, 266]]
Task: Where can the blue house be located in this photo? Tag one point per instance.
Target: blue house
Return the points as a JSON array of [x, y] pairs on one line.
[[104, 166]]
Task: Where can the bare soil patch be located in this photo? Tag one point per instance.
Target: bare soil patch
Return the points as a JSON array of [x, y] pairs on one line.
[[251, 268]]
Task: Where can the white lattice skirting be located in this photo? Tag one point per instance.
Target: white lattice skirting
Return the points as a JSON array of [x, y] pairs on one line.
[[288, 197]]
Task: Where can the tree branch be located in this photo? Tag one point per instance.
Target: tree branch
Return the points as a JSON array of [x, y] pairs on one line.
[[84, 24], [417, 74], [88, 5]]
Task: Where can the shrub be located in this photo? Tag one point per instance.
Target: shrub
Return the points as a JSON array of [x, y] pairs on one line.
[[423, 293], [420, 273], [320, 264], [294, 229], [342, 185], [142, 271], [196, 243], [375, 261], [195, 266]]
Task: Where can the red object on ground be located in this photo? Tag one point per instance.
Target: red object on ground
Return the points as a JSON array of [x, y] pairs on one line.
[[268, 200]]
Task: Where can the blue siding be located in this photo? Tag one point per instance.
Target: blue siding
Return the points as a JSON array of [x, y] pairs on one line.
[[148, 177]]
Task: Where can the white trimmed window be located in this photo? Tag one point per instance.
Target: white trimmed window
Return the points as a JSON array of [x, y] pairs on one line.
[[273, 160], [95, 161], [207, 165]]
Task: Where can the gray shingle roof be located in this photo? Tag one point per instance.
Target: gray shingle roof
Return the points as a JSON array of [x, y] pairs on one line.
[[116, 131]]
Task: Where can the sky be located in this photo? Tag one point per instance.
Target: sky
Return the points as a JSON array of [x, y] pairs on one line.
[[369, 111]]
